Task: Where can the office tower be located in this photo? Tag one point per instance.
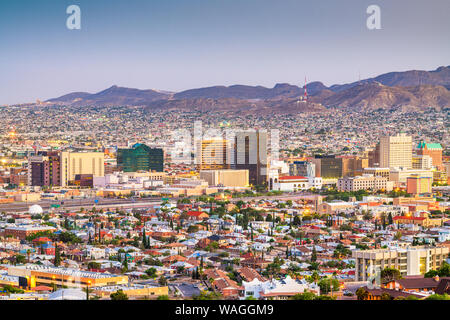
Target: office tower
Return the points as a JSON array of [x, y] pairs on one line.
[[328, 166], [396, 151], [422, 162], [434, 150], [44, 169], [140, 158], [74, 163], [353, 166], [213, 154], [250, 153], [374, 157], [302, 168]]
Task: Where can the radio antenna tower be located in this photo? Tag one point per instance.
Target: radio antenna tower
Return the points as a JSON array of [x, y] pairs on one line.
[[306, 92]]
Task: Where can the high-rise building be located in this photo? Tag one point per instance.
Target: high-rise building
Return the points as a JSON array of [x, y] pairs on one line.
[[74, 163], [213, 154], [140, 158], [434, 150], [328, 166], [353, 166], [302, 168], [250, 153], [422, 162], [374, 157], [44, 169], [396, 151]]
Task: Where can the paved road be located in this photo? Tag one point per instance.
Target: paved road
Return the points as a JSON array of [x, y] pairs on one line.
[[286, 196], [75, 204], [187, 290], [79, 203]]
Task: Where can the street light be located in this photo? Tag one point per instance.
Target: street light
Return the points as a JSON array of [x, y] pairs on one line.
[[53, 282], [87, 289]]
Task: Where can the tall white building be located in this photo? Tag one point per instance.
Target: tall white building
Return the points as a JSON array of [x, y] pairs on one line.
[[396, 151]]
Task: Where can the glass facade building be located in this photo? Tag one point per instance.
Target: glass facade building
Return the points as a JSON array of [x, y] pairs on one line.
[[140, 158]]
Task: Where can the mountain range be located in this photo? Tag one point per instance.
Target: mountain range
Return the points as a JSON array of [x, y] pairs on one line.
[[410, 90]]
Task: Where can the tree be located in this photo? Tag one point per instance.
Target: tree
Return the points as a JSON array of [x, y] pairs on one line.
[[304, 296], [151, 272], [125, 263], [314, 276], [94, 265], [144, 239], [389, 274], [391, 221], [431, 274], [20, 259], [119, 295], [205, 295], [398, 235], [314, 254], [362, 293], [385, 296], [444, 270], [57, 261], [162, 281], [438, 297], [325, 285]]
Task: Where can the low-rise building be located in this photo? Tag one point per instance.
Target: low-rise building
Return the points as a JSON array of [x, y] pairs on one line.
[[365, 182]]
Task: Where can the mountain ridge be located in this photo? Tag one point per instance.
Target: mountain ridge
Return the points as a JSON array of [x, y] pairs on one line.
[[414, 89]]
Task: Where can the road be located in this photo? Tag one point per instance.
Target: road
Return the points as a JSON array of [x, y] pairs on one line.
[[187, 290], [104, 203], [284, 197], [75, 204]]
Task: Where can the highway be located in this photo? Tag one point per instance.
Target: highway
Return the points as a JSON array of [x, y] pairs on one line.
[[76, 204], [105, 203]]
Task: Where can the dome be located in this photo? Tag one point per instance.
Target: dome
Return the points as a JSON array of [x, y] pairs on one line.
[[35, 209], [67, 294]]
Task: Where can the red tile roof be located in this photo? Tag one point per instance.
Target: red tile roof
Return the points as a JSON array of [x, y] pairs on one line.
[[408, 218], [292, 178]]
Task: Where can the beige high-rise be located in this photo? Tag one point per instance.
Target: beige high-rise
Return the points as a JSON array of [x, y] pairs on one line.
[[213, 154], [73, 163], [396, 151]]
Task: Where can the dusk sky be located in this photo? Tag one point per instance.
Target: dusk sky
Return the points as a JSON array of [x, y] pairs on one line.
[[182, 44]]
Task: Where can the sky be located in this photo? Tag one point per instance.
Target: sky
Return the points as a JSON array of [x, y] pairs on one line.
[[176, 45]]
